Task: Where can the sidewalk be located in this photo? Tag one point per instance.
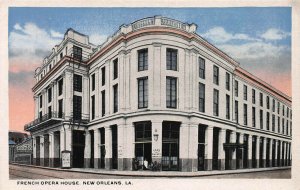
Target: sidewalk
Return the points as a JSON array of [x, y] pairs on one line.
[[157, 173]]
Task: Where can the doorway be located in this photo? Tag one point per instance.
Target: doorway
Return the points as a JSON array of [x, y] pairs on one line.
[[201, 146], [78, 139]]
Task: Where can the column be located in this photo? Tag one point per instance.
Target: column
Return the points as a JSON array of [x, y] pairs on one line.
[[97, 148], [121, 146], [241, 141], [157, 86], [42, 150], [257, 151], [51, 149], [193, 80], [284, 154], [122, 80], [187, 95], [34, 150], [184, 147], [130, 146], [87, 149], [68, 138], [275, 152], [233, 160], [108, 148], [193, 146], [270, 153], [264, 152], [250, 151], [279, 155], [290, 154], [68, 94], [221, 158], [36, 107], [156, 141], [208, 148], [97, 94], [127, 80]]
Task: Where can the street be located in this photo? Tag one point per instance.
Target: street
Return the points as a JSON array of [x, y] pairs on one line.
[[23, 172]]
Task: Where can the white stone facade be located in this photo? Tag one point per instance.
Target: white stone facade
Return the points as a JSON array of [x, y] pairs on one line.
[[112, 132]]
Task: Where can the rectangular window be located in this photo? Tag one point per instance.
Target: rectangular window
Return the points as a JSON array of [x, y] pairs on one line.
[[77, 106], [287, 127], [278, 107], [103, 102], [41, 101], [201, 68], [201, 97], [115, 64], [245, 92], [93, 82], [253, 117], [216, 103], [227, 81], [216, 75], [60, 108], [261, 118], [236, 111], [268, 102], [261, 101], [245, 115], [171, 89], [50, 112], [115, 91], [77, 53], [236, 88], [60, 86], [40, 115], [103, 75], [253, 96], [172, 59], [143, 92], [282, 126], [283, 108], [278, 123], [61, 55], [77, 84], [287, 112], [227, 106], [142, 59], [93, 107], [49, 95], [268, 121], [273, 105], [273, 122]]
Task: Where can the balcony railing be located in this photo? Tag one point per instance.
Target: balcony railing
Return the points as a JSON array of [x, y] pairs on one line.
[[49, 116], [78, 54]]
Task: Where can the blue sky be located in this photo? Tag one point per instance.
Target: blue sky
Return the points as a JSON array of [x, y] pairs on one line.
[[258, 38]]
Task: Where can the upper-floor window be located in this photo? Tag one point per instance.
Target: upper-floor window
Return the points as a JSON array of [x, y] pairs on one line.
[[103, 102], [268, 121], [60, 86], [142, 59], [50, 66], [253, 96], [245, 115], [93, 107], [278, 124], [103, 75], [261, 101], [273, 105], [273, 122], [236, 111], [172, 59], [261, 118], [60, 108], [268, 102], [201, 68], [77, 106], [49, 95], [253, 117], [236, 88], [77, 83], [201, 97], [216, 75], [171, 90], [115, 64], [115, 92], [143, 92], [245, 92], [216, 103], [287, 112], [278, 107], [93, 82], [227, 81], [61, 55], [227, 106], [77, 53], [41, 101], [283, 108], [282, 126]]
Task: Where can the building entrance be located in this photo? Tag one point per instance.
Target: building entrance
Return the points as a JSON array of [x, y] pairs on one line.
[[143, 145], [215, 161], [114, 131], [254, 161], [170, 146], [201, 146], [78, 140], [37, 150]]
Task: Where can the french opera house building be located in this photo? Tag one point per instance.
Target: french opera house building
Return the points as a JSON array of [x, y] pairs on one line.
[[156, 91]]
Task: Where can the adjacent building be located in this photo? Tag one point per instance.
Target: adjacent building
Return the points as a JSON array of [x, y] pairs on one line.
[[155, 91]]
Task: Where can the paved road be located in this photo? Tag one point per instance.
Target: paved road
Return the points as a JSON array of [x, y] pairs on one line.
[[21, 172]]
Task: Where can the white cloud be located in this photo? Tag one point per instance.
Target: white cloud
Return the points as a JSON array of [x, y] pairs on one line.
[[18, 27], [97, 39], [274, 34], [253, 50], [55, 34], [220, 35]]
